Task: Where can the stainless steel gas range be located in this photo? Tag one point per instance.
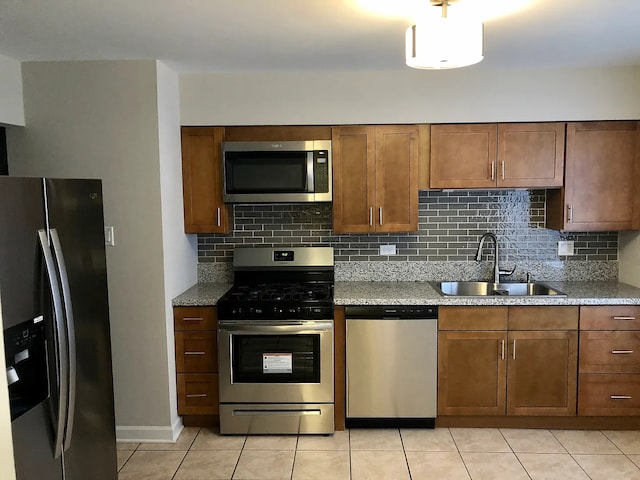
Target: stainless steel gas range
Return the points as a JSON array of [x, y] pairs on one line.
[[275, 342]]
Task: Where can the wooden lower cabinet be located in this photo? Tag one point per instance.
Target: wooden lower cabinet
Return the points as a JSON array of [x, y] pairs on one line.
[[197, 394], [505, 372], [197, 363], [541, 372], [471, 373], [609, 380]]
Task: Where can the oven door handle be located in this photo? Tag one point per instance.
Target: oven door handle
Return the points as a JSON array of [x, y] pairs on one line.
[[275, 328]]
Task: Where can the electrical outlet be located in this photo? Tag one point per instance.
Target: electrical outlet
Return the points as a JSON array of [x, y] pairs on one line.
[[387, 249], [109, 239], [565, 247]]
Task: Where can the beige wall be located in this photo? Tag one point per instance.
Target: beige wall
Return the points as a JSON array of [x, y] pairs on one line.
[[11, 107], [410, 96], [101, 119]]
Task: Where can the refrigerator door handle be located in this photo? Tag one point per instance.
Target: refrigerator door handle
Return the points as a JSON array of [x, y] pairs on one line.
[[61, 343], [71, 335]]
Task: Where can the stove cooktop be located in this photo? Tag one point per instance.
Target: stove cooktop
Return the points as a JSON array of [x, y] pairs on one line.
[[280, 283]]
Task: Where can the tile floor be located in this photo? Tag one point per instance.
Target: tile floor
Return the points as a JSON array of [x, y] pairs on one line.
[[416, 454]]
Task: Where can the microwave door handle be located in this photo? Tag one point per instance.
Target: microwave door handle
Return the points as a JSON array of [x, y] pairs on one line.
[[310, 185]]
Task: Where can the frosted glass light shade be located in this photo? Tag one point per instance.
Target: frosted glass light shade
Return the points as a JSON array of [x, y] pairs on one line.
[[444, 43]]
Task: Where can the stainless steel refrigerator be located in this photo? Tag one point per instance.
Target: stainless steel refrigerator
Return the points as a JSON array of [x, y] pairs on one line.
[[55, 315]]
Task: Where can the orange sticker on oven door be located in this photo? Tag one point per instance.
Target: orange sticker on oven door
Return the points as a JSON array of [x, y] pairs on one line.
[[277, 363]]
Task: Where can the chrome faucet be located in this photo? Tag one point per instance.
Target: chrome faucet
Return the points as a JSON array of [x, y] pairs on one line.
[[496, 269]]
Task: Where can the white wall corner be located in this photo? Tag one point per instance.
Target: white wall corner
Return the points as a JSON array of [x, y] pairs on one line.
[[629, 258], [11, 96]]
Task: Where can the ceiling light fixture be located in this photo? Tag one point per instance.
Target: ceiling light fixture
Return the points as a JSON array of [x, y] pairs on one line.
[[444, 42]]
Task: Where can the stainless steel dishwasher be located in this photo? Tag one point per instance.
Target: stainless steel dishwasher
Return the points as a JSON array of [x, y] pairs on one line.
[[392, 358]]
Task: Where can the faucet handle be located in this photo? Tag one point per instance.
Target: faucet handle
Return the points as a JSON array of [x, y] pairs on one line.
[[528, 277], [507, 272]]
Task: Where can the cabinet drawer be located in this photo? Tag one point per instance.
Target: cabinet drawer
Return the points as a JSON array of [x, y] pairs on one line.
[[543, 318], [610, 352], [197, 394], [195, 318], [196, 352], [472, 318], [604, 395], [615, 317]]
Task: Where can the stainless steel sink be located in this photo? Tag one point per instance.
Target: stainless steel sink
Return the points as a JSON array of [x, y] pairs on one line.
[[486, 289]]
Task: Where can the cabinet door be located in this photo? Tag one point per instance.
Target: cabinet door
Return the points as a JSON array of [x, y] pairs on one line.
[[196, 352], [353, 179], [197, 394], [471, 373], [600, 179], [610, 352], [396, 186], [463, 156], [603, 395], [530, 155], [542, 373], [204, 209], [195, 318]]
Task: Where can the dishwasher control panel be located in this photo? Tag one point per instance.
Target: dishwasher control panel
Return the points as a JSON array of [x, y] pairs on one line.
[[392, 311]]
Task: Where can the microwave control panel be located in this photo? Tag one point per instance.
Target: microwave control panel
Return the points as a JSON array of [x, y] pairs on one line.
[[321, 171]]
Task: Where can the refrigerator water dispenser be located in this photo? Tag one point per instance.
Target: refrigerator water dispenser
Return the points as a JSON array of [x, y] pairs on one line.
[[27, 370]]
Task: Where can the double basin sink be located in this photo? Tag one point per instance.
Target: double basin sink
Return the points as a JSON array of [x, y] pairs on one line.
[[488, 289]]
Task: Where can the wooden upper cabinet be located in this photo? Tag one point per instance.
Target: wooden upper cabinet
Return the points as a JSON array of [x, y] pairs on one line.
[[375, 179], [463, 156], [505, 155], [204, 209], [601, 178], [530, 155]]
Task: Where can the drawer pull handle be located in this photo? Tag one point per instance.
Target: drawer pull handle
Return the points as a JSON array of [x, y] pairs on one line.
[[620, 397], [194, 353], [624, 318], [193, 319], [618, 352], [196, 395]]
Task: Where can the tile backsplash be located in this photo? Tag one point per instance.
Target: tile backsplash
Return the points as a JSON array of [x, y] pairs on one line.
[[450, 226]]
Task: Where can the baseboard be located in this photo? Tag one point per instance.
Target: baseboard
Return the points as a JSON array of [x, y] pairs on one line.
[[149, 434]]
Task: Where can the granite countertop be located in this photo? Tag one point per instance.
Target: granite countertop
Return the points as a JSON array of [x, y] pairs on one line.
[[422, 293], [202, 295], [416, 293]]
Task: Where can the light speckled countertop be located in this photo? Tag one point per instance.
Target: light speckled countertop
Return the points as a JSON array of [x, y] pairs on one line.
[[416, 293], [422, 293], [201, 295]]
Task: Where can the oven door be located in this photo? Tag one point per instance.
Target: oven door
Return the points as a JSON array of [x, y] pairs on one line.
[[275, 361]]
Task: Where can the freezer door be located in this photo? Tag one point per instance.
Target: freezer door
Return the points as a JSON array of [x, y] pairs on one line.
[[76, 220], [23, 298]]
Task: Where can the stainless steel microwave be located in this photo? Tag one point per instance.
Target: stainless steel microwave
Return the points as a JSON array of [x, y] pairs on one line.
[[277, 172]]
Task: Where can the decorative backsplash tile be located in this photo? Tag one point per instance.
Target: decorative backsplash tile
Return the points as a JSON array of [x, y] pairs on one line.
[[450, 226]]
